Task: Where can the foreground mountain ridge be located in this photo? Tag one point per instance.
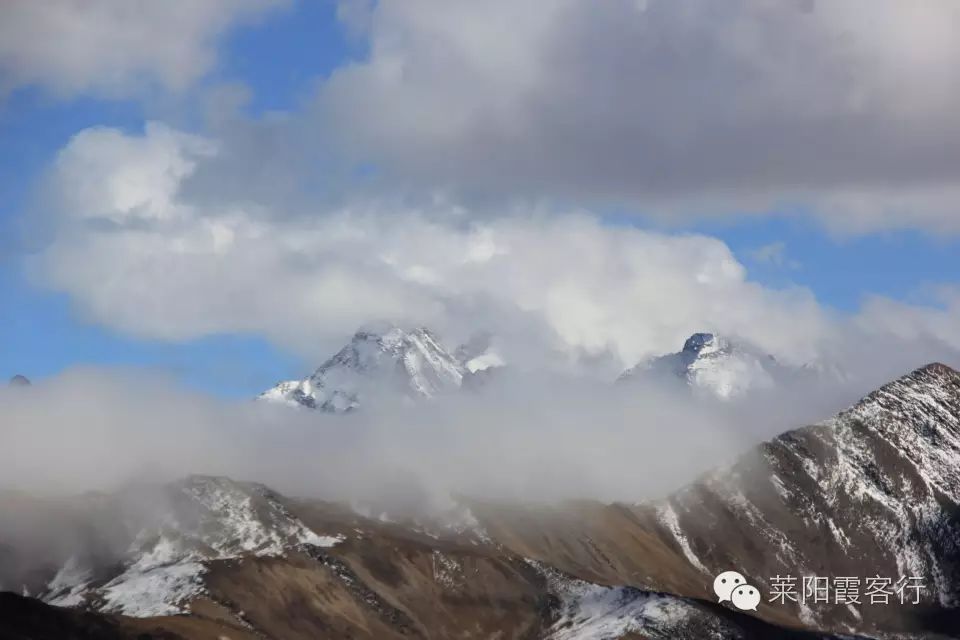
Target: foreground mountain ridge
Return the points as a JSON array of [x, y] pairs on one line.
[[268, 566], [870, 492], [874, 490]]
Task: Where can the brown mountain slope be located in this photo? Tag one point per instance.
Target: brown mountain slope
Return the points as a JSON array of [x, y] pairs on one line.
[[874, 491]]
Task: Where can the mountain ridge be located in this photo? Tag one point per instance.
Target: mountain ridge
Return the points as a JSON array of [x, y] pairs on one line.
[[413, 364], [873, 490]]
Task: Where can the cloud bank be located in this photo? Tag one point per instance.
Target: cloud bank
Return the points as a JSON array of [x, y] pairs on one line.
[[115, 49], [138, 254], [139, 251], [667, 108], [522, 437], [675, 107]]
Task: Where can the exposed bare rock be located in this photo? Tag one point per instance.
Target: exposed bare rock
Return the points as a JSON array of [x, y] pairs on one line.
[[19, 381]]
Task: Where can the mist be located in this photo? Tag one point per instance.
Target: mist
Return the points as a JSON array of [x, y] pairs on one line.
[[522, 437], [525, 437]]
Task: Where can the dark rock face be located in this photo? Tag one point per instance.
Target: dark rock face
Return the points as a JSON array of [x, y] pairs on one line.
[[24, 618], [27, 618], [19, 381], [697, 342]]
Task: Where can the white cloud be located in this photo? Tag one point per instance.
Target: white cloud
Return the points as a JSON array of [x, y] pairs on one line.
[[140, 252], [673, 106], [936, 321], [138, 177], [114, 47], [136, 254], [522, 436]]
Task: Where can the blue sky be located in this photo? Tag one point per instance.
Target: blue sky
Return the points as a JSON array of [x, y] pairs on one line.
[[282, 58], [44, 335]]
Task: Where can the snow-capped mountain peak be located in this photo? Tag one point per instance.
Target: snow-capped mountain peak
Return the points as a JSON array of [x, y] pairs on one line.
[[712, 364], [410, 362]]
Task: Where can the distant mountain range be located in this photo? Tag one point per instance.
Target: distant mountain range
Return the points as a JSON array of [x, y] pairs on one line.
[[415, 364]]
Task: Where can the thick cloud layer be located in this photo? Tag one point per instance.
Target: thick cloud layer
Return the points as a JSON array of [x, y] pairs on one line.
[[138, 255], [114, 48], [524, 437], [673, 106]]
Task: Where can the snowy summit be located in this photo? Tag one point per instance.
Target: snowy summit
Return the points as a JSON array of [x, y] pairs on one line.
[[714, 365], [412, 363]]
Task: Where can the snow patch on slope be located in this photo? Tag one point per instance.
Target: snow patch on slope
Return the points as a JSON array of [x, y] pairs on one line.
[[209, 519], [590, 611]]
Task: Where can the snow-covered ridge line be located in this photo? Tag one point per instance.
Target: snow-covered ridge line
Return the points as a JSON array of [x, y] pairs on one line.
[[414, 364], [162, 570], [876, 486]]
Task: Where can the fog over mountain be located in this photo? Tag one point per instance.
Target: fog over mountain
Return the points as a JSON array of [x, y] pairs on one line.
[[532, 433], [154, 545]]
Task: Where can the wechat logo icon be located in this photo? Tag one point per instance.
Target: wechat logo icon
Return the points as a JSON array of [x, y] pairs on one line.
[[731, 586]]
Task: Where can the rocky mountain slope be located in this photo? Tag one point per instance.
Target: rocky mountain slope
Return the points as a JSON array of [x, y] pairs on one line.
[[872, 492], [235, 560], [197, 521]]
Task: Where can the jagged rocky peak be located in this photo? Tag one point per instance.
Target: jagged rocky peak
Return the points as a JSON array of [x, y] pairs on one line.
[[713, 365], [378, 359], [705, 343], [20, 381]]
